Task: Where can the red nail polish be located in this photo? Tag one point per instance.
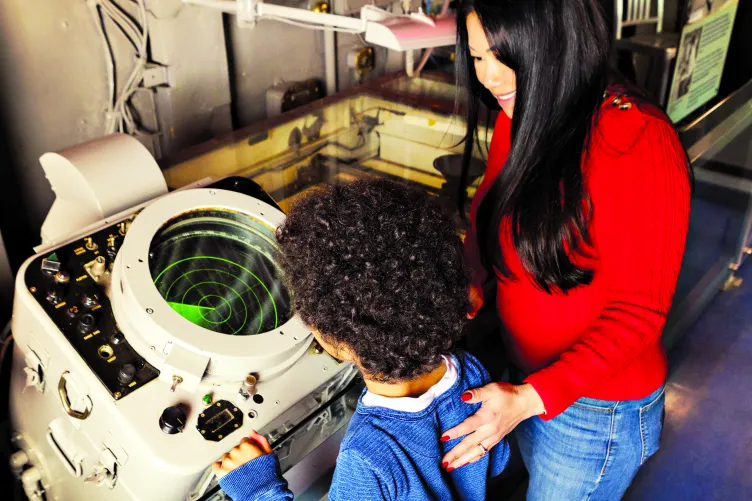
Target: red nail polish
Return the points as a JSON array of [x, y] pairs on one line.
[[445, 438], [444, 464], [466, 396], [464, 465], [450, 469]]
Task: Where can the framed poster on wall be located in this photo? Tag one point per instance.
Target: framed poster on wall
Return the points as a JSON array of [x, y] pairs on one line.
[[700, 59]]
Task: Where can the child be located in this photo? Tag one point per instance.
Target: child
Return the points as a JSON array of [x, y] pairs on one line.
[[376, 269]]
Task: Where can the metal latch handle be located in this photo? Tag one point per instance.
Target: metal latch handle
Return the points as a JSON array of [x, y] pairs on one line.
[[73, 467], [61, 390]]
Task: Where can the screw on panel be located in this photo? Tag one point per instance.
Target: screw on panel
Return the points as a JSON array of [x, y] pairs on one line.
[[149, 311]]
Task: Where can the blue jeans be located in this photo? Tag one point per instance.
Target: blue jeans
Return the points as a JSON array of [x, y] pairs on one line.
[[591, 451]]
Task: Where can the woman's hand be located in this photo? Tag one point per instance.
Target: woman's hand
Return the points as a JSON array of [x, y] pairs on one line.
[[476, 301], [504, 406], [249, 448]]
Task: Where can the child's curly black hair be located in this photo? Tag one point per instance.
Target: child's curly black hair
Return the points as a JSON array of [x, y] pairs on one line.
[[378, 266]]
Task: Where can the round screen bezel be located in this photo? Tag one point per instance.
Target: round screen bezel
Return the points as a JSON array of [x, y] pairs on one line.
[[156, 322], [253, 232]]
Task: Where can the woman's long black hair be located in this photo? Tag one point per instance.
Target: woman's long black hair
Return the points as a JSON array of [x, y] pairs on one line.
[[559, 50]]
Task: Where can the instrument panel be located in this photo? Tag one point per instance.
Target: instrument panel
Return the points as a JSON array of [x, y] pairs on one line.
[[71, 285]]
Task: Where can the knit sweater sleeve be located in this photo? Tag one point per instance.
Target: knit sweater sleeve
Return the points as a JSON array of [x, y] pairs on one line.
[[257, 480], [640, 201], [261, 480], [355, 479]]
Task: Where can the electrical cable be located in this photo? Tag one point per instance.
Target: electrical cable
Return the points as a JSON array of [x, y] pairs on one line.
[[123, 23], [128, 124], [109, 61], [120, 116]]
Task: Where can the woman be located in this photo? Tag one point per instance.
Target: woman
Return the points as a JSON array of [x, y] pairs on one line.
[[581, 221]]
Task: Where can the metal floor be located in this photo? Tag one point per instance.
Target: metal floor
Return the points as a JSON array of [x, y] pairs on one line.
[[706, 451]]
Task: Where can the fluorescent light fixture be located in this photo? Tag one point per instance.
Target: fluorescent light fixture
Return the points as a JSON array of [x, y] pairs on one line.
[[393, 31]]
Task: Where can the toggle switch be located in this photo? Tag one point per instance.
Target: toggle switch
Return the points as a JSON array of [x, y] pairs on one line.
[[176, 380], [90, 244], [90, 300], [55, 295]]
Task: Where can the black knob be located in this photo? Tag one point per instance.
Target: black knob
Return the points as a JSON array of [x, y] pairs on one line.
[[86, 323], [127, 373], [55, 295], [172, 420], [117, 338]]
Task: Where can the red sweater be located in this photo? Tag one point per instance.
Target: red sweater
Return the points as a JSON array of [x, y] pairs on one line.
[[602, 340]]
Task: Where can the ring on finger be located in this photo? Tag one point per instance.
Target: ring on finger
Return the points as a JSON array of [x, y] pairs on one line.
[[483, 449]]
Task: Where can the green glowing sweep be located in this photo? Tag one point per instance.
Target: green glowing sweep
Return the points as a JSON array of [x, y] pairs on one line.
[[192, 313], [231, 263]]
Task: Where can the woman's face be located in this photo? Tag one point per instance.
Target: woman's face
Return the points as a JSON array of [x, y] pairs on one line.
[[500, 80]]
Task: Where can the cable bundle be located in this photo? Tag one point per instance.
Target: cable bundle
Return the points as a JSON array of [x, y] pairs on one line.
[[119, 117]]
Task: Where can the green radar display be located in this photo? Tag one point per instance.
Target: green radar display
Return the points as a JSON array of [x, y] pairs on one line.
[[217, 269]]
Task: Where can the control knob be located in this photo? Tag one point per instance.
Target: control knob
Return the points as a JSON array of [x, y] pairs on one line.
[[55, 295], [127, 373], [172, 420], [90, 300]]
